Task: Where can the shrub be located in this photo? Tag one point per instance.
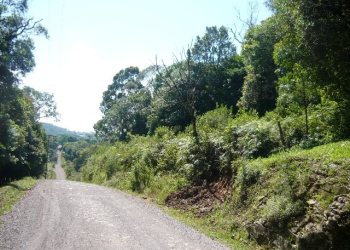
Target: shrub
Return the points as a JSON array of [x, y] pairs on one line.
[[168, 158], [281, 208], [141, 177], [208, 159], [101, 165], [163, 185], [246, 177], [215, 120], [254, 139], [164, 133]]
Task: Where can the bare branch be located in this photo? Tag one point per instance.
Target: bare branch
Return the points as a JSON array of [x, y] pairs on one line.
[[245, 23]]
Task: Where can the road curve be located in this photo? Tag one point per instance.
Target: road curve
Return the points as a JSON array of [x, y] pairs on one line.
[[60, 214]]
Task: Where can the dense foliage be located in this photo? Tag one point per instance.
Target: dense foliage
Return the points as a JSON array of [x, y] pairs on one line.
[[22, 140], [208, 74]]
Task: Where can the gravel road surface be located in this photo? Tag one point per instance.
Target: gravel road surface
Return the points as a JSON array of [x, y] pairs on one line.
[[60, 174], [60, 214]]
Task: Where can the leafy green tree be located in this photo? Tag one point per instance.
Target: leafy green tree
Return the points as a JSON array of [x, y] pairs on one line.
[[127, 115], [213, 54], [259, 89], [125, 106], [16, 46], [214, 48], [125, 82], [77, 152], [44, 105], [208, 75], [316, 36], [297, 91], [231, 91], [22, 140]]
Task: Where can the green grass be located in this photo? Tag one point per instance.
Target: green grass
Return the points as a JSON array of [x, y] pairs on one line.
[[13, 192], [275, 188], [71, 173], [281, 176], [51, 172], [216, 227], [327, 153], [161, 186]]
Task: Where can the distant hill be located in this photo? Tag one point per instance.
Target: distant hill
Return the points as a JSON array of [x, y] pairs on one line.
[[56, 130]]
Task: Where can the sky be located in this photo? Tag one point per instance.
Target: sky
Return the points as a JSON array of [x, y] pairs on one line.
[[90, 41]]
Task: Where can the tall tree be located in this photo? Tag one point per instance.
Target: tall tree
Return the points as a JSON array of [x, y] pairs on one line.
[[44, 105], [125, 82], [213, 54], [183, 80], [126, 115], [22, 141], [208, 74], [316, 36], [297, 92], [259, 89], [214, 47], [125, 105]]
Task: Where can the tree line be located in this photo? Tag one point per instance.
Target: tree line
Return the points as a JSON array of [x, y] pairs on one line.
[[212, 108], [23, 142], [292, 64]]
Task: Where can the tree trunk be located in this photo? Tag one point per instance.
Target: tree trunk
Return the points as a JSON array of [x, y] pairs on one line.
[[306, 121], [194, 127], [283, 141], [306, 105]]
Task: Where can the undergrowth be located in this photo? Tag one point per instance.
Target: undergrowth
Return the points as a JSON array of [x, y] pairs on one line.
[[12, 192], [273, 171]]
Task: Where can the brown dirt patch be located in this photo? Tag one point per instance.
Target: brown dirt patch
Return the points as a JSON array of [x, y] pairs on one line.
[[200, 198]]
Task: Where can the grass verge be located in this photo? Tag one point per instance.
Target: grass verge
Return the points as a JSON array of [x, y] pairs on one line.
[[51, 175], [277, 190], [12, 192], [219, 229]]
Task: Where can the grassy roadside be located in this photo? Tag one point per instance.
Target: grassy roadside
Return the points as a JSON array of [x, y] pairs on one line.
[[219, 230], [266, 178], [71, 173], [51, 175], [262, 190], [13, 192], [281, 191]]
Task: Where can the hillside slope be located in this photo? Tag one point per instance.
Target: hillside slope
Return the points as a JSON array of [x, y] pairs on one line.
[[297, 199], [56, 130]]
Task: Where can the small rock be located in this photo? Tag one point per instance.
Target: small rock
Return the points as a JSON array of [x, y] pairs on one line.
[[332, 165], [309, 226], [335, 204], [327, 214], [258, 232], [336, 217], [311, 202], [341, 199]]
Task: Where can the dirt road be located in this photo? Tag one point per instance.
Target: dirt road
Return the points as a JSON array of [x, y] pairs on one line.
[[60, 174], [60, 214]]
